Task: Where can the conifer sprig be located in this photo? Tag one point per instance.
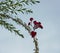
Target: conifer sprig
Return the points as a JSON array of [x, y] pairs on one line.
[[11, 7]]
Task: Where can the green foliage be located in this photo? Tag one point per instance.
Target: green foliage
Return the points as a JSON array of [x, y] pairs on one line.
[[10, 27], [8, 7]]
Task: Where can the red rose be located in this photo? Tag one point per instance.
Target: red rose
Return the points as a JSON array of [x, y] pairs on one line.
[[33, 34]]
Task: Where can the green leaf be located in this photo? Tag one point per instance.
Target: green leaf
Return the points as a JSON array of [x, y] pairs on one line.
[[17, 31], [33, 1], [29, 11], [26, 2], [20, 11], [21, 35], [24, 9], [38, 1]]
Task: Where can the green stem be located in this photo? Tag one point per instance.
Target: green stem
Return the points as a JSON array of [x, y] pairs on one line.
[[36, 45]]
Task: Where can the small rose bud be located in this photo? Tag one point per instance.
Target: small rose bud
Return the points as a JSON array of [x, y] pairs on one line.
[[31, 19]]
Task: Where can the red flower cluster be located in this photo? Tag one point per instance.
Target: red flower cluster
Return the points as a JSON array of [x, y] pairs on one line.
[[36, 25]]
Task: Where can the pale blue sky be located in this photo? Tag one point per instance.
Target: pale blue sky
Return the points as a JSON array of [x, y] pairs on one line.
[[48, 12]]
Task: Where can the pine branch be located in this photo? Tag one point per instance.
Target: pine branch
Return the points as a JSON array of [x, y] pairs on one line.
[[30, 1], [10, 27], [18, 21], [9, 6], [3, 16]]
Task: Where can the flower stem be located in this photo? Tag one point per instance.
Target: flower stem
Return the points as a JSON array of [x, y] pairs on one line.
[[35, 40]]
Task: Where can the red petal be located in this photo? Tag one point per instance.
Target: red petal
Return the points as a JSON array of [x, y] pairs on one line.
[[39, 22], [40, 26], [33, 34], [35, 22]]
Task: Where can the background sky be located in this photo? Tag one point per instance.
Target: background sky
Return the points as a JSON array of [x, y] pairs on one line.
[[47, 12]]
